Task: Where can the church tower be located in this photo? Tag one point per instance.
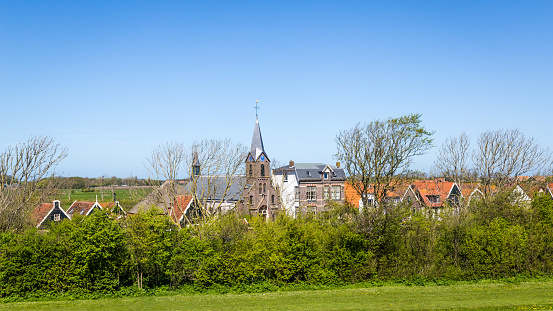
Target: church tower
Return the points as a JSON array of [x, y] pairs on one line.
[[260, 196]]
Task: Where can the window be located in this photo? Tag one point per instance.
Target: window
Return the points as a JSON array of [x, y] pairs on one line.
[[273, 199], [336, 192], [251, 170], [325, 175], [251, 199], [326, 193], [56, 217], [264, 188], [433, 198], [454, 200], [311, 193], [262, 170], [285, 176], [297, 193], [308, 174], [260, 189]]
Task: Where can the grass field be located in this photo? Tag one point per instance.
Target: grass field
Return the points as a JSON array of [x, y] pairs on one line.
[[127, 196], [482, 296]]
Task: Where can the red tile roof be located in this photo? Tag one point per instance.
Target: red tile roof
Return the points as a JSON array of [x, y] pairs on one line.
[[40, 212], [181, 204], [433, 188], [81, 207]]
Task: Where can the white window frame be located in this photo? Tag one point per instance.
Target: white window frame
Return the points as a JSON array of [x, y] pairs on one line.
[[311, 193], [336, 192]]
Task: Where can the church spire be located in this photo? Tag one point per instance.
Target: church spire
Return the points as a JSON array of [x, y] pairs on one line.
[[257, 141]]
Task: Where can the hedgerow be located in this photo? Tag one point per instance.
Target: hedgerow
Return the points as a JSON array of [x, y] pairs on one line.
[[96, 255]]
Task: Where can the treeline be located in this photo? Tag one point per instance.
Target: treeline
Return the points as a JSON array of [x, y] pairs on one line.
[[88, 183], [494, 239]]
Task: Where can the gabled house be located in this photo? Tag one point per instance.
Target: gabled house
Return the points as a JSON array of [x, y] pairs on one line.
[[83, 208], [436, 193], [412, 198], [113, 209], [181, 211], [525, 192], [470, 192], [550, 189], [397, 193], [46, 213]]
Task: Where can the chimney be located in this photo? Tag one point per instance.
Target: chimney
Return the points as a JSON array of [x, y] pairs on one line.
[[338, 164], [291, 163]]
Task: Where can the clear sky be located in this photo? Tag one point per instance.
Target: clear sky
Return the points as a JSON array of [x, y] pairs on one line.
[[111, 80]]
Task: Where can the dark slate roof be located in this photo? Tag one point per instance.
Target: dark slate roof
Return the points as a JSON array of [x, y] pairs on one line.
[[257, 141], [315, 170], [213, 188]]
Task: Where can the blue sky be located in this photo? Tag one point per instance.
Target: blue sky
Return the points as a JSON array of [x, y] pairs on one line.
[[111, 80]]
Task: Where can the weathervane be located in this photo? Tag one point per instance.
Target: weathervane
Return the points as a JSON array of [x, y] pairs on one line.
[[256, 107]]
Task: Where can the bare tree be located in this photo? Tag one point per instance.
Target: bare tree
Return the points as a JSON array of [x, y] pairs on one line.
[[216, 169], [211, 167], [24, 169], [452, 158], [505, 154], [164, 164], [376, 152]]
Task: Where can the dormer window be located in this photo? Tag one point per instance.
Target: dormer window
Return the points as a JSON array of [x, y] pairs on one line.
[[308, 174], [325, 176]]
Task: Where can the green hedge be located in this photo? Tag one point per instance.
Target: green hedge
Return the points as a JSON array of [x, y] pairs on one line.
[[494, 239]]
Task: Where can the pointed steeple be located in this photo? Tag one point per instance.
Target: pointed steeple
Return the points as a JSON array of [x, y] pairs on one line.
[[196, 165], [257, 141]]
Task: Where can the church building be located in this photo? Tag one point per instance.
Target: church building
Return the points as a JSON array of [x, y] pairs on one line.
[[259, 195]]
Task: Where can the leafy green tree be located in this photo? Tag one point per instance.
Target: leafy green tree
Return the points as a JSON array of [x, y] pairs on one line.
[[99, 251], [375, 153], [150, 237]]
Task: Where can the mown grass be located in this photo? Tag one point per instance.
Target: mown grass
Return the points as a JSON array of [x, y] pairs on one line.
[[127, 197], [479, 296]]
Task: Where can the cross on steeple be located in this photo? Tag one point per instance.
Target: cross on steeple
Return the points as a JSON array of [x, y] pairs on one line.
[[256, 107]]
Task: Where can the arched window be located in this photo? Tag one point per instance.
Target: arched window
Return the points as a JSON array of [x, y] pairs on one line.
[[264, 188], [260, 189], [262, 170], [273, 199], [251, 170]]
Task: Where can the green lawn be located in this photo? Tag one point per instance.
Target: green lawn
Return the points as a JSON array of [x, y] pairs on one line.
[[127, 197], [486, 296]]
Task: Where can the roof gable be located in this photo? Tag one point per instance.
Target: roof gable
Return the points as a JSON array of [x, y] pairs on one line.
[[83, 208], [43, 210], [182, 204]]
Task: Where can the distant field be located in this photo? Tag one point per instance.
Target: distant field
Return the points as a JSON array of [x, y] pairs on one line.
[[127, 196], [490, 296]]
